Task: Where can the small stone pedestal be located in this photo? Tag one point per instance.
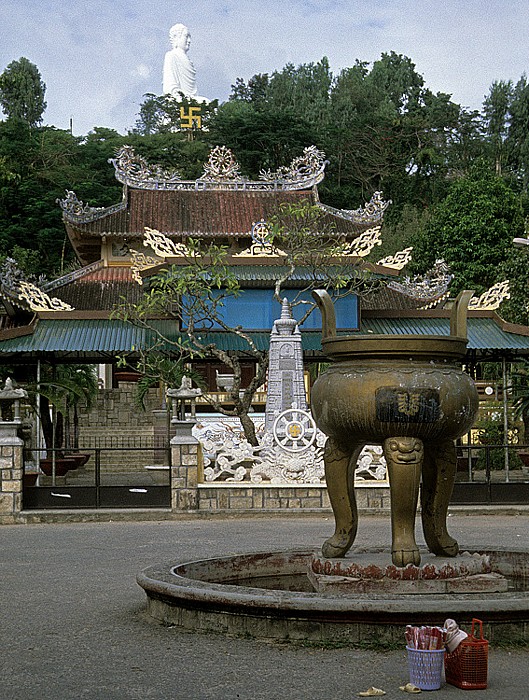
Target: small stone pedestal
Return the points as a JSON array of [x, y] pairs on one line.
[[11, 446], [186, 461], [11, 470], [372, 573]]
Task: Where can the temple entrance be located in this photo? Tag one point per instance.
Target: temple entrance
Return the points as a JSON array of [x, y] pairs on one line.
[[104, 476]]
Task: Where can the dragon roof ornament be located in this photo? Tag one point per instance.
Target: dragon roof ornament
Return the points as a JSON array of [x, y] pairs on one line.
[[221, 172], [371, 213], [134, 170], [20, 292], [74, 210], [310, 165], [428, 287], [27, 295]]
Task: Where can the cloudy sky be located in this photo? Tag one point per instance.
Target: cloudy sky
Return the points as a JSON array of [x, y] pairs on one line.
[[99, 58]]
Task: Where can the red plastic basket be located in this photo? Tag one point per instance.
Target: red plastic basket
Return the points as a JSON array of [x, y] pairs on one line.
[[467, 666]]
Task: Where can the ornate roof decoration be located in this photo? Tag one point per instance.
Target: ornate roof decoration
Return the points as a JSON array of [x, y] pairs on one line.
[[38, 300], [140, 262], [398, 260], [430, 287], [262, 246], [72, 276], [134, 170], [310, 165], [74, 209], [220, 172], [492, 298], [364, 243], [15, 288], [260, 250], [261, 233], [162, 245], [371, 213], [221, 166]]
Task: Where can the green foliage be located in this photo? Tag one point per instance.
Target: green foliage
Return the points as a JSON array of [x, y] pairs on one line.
[[520, 395], [22, 92], [471, 229], [156, 369], [401, 228], [517, 140], [262, 139], [496, 108], [516, 269], [379, 124], [303, 232], [161, 114]]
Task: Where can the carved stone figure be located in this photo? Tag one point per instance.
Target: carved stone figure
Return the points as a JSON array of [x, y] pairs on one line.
[[179, 75], [409, 394]]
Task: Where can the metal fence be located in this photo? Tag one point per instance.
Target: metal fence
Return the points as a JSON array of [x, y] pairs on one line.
[[108, 475], [489, 474]]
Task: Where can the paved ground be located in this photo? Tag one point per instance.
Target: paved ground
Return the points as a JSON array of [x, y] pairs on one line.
[[72, 623]]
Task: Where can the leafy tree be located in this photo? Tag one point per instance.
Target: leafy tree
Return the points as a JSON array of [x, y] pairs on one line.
[[518, 137], [22, 92], [63, 387], [161, 114], [472, 229], [263, 139], [45, 163], [496, 109], [516, 269], [196, 292], [520, 395]]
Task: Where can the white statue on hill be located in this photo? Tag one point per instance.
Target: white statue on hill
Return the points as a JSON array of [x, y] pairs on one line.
[[179, 74]]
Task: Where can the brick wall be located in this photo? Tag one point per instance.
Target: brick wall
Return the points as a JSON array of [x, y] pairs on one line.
[[116, 421]]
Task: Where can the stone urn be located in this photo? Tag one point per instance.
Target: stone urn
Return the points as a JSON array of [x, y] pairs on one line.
[[408, 393]]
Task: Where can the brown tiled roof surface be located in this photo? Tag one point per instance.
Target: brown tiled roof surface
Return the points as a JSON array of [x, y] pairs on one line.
[[100, 290], [213, 213]]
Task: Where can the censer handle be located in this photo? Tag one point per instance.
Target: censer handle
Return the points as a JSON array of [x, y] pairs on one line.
[[328, 315], [458, 317]]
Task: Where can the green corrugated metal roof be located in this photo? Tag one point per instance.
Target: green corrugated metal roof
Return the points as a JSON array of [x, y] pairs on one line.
[[110, 337], [483, 333], [90, 337]]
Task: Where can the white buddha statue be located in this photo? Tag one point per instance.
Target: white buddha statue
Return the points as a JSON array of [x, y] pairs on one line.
[[179, 75]]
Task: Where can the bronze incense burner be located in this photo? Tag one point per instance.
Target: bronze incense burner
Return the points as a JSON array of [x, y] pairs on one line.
[[410, 394]]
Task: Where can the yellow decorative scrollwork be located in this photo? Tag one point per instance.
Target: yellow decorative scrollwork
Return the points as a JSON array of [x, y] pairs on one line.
[[364, 243], [492, 298], [39, 300], [258, 250], [162, 245], [140, 262], [398, 260]]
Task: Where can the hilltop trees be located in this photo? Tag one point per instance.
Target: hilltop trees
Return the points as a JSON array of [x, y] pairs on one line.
[[22, 92], [472, 229], [379, 124]]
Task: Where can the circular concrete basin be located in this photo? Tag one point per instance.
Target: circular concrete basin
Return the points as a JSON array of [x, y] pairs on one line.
[[268, 595]]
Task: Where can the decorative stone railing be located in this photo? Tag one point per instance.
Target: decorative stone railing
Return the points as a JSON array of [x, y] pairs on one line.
[[229, 457]]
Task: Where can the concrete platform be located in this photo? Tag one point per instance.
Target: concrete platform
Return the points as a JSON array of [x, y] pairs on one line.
[[74, 625]]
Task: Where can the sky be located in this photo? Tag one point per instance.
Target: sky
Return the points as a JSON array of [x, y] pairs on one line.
[[99, 58]]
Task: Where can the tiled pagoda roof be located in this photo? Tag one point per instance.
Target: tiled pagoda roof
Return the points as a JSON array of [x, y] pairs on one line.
[[215, 206]]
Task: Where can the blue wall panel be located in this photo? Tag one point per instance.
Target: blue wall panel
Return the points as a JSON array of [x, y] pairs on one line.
[[256, 309]]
